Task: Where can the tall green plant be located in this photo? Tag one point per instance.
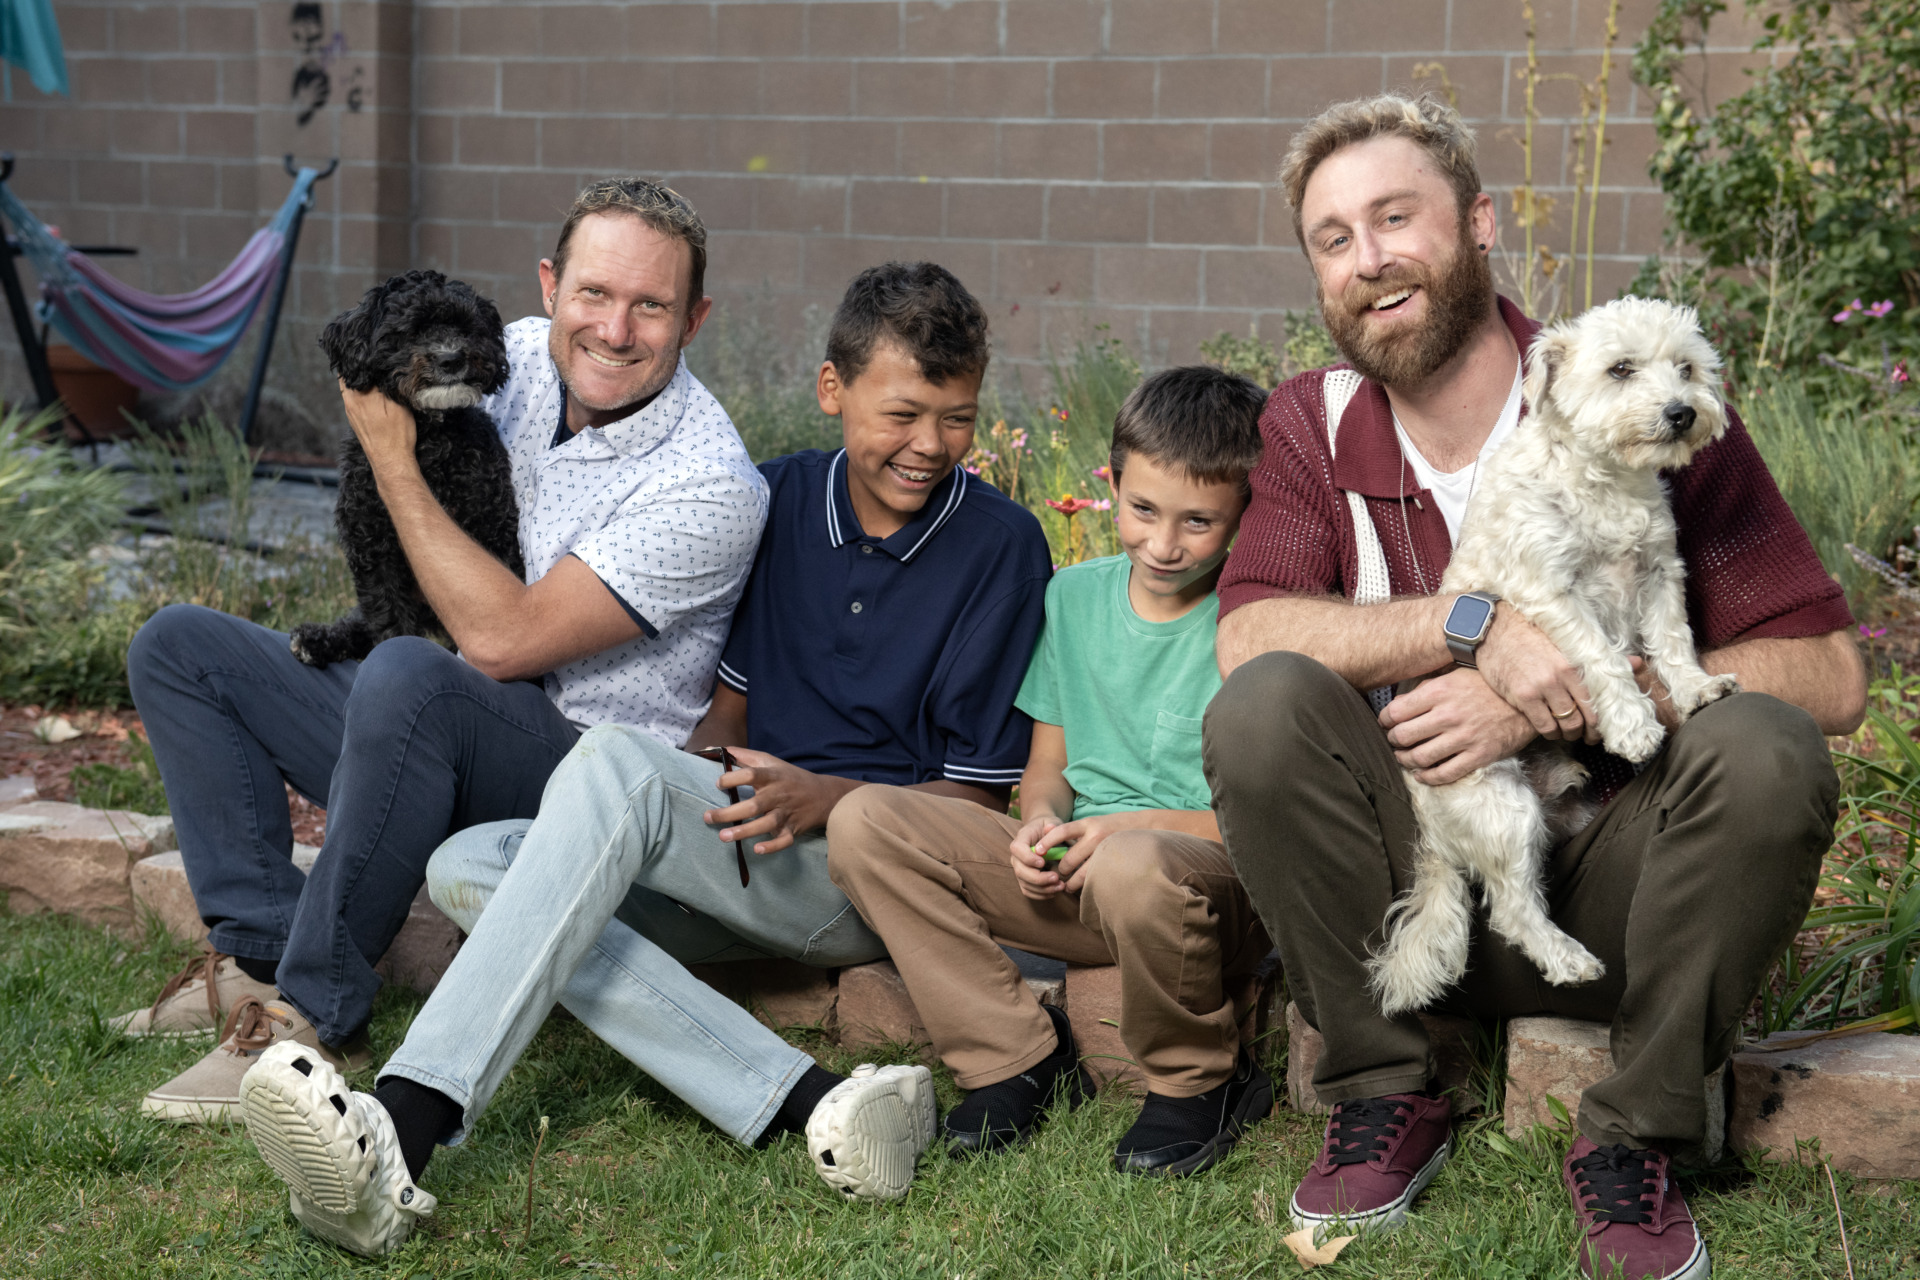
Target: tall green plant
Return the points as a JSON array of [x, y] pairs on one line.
[[1847, 473], [52, 513]]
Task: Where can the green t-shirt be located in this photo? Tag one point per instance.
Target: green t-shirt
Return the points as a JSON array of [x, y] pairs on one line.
[[1129, 693]]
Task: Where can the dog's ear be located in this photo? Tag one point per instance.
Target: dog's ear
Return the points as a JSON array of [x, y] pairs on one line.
[[494, 367], [348, 340], [1544, 360]]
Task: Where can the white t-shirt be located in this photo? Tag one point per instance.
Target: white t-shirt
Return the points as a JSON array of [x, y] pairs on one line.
[[1452, 489], [665, 506]]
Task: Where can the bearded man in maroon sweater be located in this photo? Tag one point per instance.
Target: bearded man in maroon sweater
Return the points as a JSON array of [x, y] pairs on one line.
[[1696, 872]]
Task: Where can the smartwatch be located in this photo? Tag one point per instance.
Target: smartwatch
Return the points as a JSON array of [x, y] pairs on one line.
[[1467, 624]]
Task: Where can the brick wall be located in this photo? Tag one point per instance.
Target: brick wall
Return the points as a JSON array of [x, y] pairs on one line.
[[1076, 162]]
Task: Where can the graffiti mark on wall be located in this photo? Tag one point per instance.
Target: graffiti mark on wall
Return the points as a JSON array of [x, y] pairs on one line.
[[313, 78]]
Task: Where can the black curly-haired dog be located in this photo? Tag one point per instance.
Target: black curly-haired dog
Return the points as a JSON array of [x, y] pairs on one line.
[[434, 345]]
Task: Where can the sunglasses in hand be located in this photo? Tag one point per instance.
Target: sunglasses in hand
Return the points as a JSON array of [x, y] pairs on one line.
[[727, 765]]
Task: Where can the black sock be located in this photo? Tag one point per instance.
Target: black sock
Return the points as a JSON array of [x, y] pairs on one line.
[[807, 1091], [258, 970], [421, 1117]]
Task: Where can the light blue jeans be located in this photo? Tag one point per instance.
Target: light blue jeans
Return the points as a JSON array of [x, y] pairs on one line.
[[600, 903]]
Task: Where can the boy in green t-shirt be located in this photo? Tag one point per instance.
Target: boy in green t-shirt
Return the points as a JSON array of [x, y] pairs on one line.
[[1117, 859]]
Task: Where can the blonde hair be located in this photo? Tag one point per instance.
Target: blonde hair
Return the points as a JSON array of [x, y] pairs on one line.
[[1425, 121]]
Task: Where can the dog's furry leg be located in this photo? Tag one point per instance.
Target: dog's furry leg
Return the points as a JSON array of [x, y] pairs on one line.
[[321, 644], [1629, 723], [1668, 640]]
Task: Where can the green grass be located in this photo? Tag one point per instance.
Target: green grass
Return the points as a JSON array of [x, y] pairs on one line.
[[634, 1184]]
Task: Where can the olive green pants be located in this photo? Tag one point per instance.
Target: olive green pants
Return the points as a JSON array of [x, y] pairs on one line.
[[1688, 886]]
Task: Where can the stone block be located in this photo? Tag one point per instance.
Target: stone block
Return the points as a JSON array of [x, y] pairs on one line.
[[1093, 1007], [75, 860], [1450, 1041], [18, 789], [1560, 1057], [421, 952], [874, 1008], [424, 947], [781, 993], [1859, 1095]]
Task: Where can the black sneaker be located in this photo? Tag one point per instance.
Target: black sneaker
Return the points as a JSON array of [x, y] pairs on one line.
[[1177, 1136], [1007, 1112]]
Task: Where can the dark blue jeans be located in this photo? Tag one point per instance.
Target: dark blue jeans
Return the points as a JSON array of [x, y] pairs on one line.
[[404, 749]]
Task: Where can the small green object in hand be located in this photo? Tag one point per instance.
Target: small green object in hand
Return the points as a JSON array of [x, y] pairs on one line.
[[1053, 854]]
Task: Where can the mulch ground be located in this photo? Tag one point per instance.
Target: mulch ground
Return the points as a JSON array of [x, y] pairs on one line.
[[103, 740]]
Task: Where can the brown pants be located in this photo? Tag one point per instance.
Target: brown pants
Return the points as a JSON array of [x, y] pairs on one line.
[[931, 875], [1688, 886]]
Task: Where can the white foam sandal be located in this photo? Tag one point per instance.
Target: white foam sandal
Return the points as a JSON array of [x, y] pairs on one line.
[[867, 1134]]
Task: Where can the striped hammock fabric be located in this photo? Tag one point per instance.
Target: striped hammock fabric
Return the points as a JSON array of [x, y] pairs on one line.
[[159, 342]]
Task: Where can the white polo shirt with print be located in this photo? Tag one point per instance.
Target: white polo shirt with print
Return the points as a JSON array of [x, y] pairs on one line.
[[665, 506]]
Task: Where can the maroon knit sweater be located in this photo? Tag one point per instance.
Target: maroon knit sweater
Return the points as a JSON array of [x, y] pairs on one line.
[[1751, 572]]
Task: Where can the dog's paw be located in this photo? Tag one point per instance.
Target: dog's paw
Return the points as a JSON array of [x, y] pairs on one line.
[[1573, 966], [1711, 690], [1401, 984], [301, 644], [1638, 741]]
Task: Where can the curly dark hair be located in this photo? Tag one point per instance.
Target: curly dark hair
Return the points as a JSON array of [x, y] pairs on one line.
[[436, 346], [920, 305], [1198, 419], [654, 203]]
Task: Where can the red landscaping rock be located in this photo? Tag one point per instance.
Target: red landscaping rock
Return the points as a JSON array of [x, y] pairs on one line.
[[75, 860], [1093, 1007], [875, 1010], [420, 954], [1858, 1095], [781, 993], [1450, 1043], [1560, 1057]]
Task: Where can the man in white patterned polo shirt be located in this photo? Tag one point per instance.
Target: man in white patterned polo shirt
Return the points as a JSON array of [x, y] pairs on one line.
[[639, 516]]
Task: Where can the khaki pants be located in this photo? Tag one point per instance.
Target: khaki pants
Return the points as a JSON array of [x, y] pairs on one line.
[[932, 876], [1687, 886]]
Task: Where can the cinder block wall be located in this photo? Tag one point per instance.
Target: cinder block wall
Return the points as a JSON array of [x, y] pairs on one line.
[[1077, 162]]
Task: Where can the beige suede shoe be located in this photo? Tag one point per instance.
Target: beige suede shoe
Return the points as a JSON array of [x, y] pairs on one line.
[[197, 1000], [209, 1091]]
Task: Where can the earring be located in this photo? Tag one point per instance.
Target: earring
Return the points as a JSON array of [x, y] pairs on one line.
[[1483, 248]]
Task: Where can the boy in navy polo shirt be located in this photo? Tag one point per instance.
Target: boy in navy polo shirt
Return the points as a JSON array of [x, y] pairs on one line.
[[884, 632], [1116, 858]]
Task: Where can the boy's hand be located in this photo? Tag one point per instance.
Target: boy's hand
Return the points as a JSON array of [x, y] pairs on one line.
[[786, 801], [1040, 879], [1034, 872]]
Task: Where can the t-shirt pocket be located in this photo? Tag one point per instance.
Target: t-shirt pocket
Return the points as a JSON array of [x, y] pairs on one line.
[[1178, 780]]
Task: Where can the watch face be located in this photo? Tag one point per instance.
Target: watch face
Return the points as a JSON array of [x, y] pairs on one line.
[[1468, 618]]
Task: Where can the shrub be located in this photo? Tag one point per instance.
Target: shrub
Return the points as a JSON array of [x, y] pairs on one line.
[[1847, 473]]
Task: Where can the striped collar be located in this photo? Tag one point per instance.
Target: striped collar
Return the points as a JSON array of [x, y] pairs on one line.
[[844, 527]]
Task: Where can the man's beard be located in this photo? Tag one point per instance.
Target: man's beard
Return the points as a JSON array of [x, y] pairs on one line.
[[1459, 294]]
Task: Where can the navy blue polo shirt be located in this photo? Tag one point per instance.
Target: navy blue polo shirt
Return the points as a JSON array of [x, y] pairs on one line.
[[892, 660]]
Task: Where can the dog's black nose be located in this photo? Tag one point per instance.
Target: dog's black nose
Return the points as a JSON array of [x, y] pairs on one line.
[[454, 362], [1678, 417]]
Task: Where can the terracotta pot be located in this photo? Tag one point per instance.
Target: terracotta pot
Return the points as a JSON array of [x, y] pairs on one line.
[[93, 395]]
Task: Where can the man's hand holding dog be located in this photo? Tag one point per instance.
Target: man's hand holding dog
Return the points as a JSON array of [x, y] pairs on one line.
[[385, 430], [786, 801], [1467, 718]]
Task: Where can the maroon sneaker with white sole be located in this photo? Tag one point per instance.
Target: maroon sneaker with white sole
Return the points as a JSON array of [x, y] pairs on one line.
[[1378, 1155], [1634, 1222]]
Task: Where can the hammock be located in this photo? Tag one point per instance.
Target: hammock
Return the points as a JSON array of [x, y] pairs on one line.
[[160, 342]]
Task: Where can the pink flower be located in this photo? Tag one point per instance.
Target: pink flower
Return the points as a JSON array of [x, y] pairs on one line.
[[1847, 312], [972, 471], [1881, 308], [1899, 374], [1103, 504], [1872, 633], [1068, 505], [1103, 473]]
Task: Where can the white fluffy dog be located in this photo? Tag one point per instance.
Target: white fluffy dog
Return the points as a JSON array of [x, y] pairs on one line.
[[1569, 525]]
